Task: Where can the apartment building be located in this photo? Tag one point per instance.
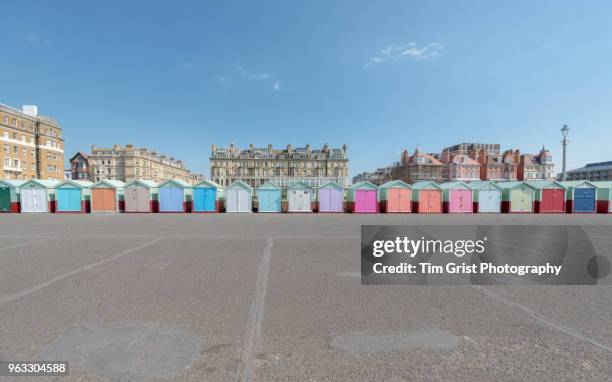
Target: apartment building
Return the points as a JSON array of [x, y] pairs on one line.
[[461, 167], [256, 166], [129, 163], [32, 145], [538, 166], [592, 171], [420, 166], [499, 167], [469, 149]]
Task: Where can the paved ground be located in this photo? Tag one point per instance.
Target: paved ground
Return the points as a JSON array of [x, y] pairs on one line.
[[278, 297]]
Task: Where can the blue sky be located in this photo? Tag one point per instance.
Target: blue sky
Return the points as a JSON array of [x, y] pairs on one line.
[[380, 76]]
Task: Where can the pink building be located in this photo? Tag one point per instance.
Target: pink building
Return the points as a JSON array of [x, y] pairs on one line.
[[461, 167], [498, 167]]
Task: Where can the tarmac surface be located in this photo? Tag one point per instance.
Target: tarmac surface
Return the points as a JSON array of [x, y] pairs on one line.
[[277, 297]]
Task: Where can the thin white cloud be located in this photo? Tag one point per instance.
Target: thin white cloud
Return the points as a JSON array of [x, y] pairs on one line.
[[35, 39], [258, 77], [411, 50], [188, 65]]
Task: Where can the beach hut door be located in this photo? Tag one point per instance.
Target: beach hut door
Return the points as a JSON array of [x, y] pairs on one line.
[[34, 200], [5, 199]]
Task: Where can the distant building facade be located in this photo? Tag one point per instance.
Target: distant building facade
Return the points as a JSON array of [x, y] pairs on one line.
[[592, 171], [79, 167], [32, 145], [471, 148], [465, 162], [256, 166], [129, 163], [461, 167], [538, 166], [419, 166], [498, 167], [380, 176]]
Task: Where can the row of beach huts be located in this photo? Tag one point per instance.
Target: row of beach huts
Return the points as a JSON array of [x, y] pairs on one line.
[[173, 195]]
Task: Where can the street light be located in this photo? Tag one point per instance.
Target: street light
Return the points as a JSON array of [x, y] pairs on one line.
[[564, 130]]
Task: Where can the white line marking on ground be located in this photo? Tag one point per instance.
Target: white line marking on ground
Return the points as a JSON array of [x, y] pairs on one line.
[[256, 313], [26, 243], [15, 296], [538, 317]]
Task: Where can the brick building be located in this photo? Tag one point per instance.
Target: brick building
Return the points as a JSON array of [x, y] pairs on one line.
[[32, 145], [79, 167], [419, 166], [538, 166]]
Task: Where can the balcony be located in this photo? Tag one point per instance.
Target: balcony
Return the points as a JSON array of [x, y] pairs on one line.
[[12, 168]]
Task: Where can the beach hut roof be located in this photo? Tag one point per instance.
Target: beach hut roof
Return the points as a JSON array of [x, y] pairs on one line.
[[424, 184], [11, 183], [331, 185], [206, 184], [75, 183], [541, 184], [602, 183], [576, 183], [395, 184], [177, 182], [109, 183], [364, 184], [148, 184], [41, 182], [483, 184], [299, 186], [269, 186], [240, 184], [514, 184], [455, 185]]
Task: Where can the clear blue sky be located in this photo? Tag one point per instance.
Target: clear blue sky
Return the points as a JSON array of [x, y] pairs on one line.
[[380, 76]]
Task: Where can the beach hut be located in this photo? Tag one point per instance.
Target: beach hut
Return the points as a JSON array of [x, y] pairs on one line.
[[299, 197], [581, 196], [330, 198], [73, 196], [549, 196], [517, 196], [140, 196], [205, 197], [107, 196], [456, 197], [426, 197], [9, 195], [174, 195], [486, 196], [362, 197], [269, 197], [395, 196], [604, 196], [36, 195], [238, 197]]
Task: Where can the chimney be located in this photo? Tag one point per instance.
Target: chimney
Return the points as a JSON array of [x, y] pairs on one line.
[[31, 110], [116, 147]]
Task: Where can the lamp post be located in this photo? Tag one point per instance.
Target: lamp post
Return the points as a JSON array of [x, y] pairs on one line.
[[564, 130]]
